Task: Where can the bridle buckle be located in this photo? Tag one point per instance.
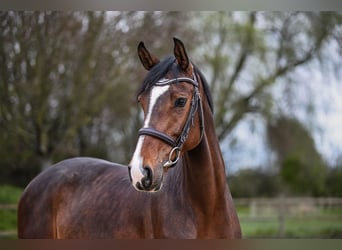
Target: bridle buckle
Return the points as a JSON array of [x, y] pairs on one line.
[[170, 162]]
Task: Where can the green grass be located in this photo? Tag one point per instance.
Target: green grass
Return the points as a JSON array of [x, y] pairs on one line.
[[322, 224], [8, 219], [8, 216], [9, 194], [294, 228], [256, 229], [314, 228]]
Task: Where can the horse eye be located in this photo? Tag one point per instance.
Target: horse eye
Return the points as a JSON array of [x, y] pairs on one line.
[[180, 102]]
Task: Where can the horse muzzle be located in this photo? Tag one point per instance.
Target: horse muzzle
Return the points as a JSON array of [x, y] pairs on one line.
[[145, 179]]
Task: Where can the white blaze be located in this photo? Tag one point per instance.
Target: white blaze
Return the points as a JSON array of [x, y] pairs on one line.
[[137, 159]]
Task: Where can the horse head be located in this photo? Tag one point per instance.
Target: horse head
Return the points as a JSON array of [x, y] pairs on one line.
[[173, 116]]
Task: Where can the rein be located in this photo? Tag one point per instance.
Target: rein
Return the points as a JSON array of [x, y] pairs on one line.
[[178, 143]]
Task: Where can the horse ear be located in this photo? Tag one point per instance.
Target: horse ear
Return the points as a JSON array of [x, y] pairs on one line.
[[147, 60], [180, 54]]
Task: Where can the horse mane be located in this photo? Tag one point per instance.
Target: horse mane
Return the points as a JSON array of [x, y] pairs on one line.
[[205, 87], [169, 65]]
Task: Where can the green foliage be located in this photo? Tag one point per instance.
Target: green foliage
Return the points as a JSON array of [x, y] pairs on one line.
[[333, 182], [253, 183], [303, 179], [290, 171], [293, 179], [16, 170], [9, 194], [301, 166]]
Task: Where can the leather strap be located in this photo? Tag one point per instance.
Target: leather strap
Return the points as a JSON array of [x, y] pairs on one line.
[[155, 133]]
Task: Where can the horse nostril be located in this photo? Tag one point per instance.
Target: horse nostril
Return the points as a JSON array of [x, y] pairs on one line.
[[148, 177]]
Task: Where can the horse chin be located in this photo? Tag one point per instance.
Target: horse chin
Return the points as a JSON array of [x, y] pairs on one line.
[[153, 189], [156, 189]]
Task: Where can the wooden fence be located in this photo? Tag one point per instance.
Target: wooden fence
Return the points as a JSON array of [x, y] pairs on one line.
[[283, 209]]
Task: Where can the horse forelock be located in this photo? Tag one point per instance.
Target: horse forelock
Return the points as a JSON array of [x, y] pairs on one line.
[[158, 72]]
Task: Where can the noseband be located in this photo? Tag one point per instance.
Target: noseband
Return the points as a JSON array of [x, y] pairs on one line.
[[178, 143]]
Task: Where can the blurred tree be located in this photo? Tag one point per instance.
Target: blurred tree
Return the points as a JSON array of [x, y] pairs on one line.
[[246, 53], [256, 182], [52, 64], [63, 75], [302, 168], [333, 182]]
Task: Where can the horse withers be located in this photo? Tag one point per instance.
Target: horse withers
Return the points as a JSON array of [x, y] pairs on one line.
[[174, 186]]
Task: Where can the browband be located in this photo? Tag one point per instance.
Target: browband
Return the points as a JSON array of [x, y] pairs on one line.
[[178, 79]]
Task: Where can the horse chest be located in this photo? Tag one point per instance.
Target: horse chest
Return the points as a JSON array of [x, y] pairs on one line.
[[174, 221], [158, 217]]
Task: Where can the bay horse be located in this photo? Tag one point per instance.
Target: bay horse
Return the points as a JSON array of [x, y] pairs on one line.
[[175, 184]]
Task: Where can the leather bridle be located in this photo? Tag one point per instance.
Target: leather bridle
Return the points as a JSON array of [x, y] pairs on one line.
[[178, 143]]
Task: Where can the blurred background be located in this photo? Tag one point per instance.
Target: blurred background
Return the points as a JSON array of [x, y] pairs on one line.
[[68, 82]]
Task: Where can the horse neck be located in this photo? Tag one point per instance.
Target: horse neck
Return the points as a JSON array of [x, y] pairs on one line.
[[204, 170]]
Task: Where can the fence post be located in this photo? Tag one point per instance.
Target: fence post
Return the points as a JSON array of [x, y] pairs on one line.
[[252, 208], [281, 210]]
